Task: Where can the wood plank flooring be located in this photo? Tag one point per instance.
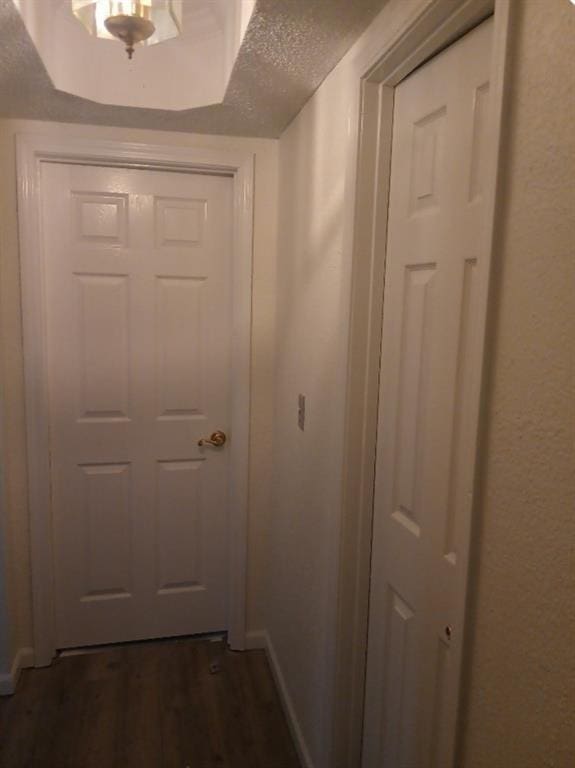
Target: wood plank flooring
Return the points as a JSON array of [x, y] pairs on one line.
[[148, 705]]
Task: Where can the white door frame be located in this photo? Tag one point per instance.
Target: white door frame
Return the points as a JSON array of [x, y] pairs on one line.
[[379, 71], [32, 151]]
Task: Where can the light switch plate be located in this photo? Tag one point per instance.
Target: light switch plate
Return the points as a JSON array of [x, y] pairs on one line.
[[301, 412]]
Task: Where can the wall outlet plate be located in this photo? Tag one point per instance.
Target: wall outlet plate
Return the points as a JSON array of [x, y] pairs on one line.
[[301, 412]]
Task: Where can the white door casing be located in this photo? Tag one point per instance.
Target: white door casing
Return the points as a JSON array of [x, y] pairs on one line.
[[34, 153], [426, 440], [138, 300]]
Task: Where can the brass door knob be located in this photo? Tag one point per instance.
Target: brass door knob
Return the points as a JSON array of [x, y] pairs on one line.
[[216, 439]]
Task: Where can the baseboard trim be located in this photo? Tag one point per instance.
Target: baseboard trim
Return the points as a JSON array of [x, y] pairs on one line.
[[261, 639], [9, 681], [256, 640]]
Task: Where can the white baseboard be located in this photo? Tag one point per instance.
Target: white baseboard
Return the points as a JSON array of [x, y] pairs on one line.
[[9, 681], [261, 639], [256, 640]]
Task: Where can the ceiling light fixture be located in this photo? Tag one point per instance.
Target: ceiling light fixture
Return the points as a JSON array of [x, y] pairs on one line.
[[131, 21]]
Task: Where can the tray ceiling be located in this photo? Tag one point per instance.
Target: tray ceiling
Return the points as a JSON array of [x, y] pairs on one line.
[[287, 51]]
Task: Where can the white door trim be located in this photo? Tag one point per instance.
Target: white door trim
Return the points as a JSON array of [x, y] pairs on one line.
[[32, 151], [378, 71]]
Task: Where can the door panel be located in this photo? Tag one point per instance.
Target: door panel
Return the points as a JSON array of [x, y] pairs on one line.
[[178, 525], [424, 472], [179, 305], [139, 323], [102, 339], [106, 516]]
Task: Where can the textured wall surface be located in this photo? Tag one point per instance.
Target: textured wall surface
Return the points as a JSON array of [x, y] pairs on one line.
[[289, 48], [11, 365], [13, 442], [6, 626], [521, 711]]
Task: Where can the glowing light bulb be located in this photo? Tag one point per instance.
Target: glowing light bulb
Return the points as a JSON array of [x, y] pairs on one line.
[[132, 21]]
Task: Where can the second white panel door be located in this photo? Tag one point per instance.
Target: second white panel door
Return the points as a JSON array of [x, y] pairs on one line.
[[428, 387], [138, 278]]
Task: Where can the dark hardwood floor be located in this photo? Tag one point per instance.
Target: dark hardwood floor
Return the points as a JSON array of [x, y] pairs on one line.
[[148, 705]]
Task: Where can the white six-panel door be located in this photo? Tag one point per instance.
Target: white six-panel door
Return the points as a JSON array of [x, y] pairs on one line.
[[424, 471], [138, 317]]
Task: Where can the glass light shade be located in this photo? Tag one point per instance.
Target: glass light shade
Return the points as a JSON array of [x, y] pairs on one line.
[[165, 15]]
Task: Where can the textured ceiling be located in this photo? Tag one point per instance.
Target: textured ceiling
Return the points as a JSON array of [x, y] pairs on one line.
[[289, 48]]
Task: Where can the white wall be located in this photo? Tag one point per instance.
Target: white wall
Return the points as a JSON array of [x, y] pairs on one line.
[[313, 293], [312, 300], [314, 268], [13, 457], [522, 579]]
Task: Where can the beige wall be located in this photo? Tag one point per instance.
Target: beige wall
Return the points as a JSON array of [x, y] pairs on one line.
[[11, 371], [520, 660], [13, 443], [521, 710], [6, 628]]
